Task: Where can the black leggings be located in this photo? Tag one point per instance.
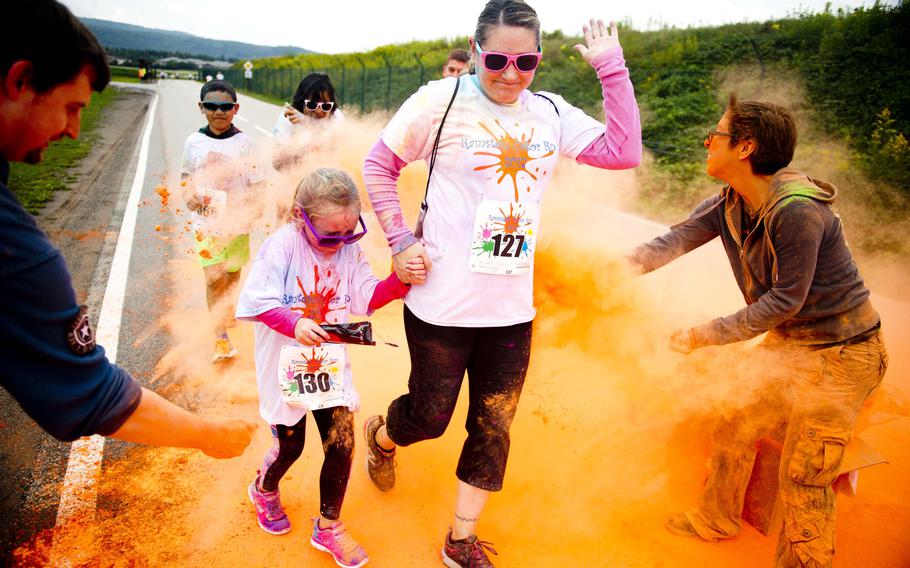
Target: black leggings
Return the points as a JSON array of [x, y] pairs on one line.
[[336, 427], [496, 359]]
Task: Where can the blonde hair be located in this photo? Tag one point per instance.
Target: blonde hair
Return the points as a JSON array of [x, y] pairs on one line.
[[324, 189]]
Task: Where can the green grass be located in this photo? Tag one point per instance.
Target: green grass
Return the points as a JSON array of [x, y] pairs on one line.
[[35, 185]]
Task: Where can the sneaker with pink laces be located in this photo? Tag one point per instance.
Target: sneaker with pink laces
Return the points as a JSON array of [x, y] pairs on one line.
[[336, 541], [468, 553], [269, 512]]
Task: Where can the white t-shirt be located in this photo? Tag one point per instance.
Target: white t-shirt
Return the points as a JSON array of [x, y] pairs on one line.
[[223, 169], [487, 151], [287, 273]]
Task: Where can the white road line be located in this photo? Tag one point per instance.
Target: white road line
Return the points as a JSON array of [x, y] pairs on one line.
[[240, 118], [80, 484], [263, 130]]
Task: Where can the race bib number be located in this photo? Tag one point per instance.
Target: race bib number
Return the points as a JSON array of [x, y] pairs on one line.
[[214, 202], [312, 377], [504, 237]]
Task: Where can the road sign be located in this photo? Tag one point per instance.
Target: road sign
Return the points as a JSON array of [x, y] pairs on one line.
[[248, 65], [248, 74]]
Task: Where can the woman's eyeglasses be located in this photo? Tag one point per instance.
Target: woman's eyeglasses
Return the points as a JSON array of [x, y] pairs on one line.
[[496, 61], [223, 107], [332, 240], [326, 106]]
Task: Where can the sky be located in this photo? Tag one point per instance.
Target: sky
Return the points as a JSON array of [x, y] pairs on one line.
[[360, 25]]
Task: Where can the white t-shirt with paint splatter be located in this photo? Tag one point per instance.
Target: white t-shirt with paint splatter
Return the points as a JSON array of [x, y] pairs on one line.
[[287, 273], [227, 166], [487, 151]]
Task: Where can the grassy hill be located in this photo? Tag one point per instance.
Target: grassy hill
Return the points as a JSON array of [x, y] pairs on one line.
[[128, 36], [853, 64]]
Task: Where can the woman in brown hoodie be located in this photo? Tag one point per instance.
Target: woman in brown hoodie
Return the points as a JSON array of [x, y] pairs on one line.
[[786, 246]]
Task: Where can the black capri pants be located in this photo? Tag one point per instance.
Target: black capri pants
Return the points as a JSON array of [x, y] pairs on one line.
[[496, 360]]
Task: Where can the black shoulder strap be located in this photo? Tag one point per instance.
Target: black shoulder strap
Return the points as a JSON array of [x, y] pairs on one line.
[[549, 100], [423, 205]]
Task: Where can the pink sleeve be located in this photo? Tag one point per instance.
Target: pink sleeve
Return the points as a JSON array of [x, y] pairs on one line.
[[380, 174], [282, 320], [386, 291], [619, 147]]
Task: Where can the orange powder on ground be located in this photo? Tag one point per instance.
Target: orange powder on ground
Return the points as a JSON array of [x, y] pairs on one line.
[[163, 193], [611, 436]]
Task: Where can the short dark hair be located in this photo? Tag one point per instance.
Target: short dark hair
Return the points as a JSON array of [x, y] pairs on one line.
[[311, 87], [216, 86], [58, 45], [770, 126], [458, 54], [506, 13]]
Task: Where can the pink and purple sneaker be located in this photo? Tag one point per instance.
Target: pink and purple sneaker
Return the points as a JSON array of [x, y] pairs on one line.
[[269, 511], [336, 541]]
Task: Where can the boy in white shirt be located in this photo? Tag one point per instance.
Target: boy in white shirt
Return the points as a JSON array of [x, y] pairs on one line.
[[220, 173]]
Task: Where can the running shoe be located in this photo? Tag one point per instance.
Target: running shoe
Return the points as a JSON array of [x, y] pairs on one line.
[[681, 526], [269, 512], [223, 350], [380, 462], [468, 553], [336, 541]]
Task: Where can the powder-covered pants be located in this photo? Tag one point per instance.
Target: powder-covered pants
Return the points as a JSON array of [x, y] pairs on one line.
[[496, 360], [336, 428], [815, 396]]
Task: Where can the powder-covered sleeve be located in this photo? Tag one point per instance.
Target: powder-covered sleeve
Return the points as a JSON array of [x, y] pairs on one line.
[[796, 229], [362, 282], [264, 287]]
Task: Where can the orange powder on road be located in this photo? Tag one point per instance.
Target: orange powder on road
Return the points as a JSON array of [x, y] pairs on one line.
[[611, 436]]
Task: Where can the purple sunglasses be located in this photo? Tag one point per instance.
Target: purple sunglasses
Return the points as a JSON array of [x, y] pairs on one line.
[[332, 240]]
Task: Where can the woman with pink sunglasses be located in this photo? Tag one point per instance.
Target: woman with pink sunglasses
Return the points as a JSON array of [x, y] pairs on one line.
[[492, 146]]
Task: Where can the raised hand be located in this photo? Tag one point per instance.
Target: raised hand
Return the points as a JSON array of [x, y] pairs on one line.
[[598, 39]]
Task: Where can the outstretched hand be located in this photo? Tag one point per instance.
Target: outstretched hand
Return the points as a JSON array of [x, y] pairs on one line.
[[683, 341], [598, 39], [231, 438]]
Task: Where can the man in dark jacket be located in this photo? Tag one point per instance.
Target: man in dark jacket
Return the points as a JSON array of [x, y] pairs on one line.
[[824, 353], [49, 66]]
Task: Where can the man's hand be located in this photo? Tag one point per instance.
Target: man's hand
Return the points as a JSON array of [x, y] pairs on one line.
[[683, 341], [598, 39], [230, 439], [401, 263], [308, 332]]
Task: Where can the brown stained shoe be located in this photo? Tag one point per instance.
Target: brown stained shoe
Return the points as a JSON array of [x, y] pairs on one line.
[[380, 462], [680, 525], [468, 553]]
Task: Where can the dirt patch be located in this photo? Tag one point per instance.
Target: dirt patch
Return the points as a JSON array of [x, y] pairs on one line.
[[78, 221]]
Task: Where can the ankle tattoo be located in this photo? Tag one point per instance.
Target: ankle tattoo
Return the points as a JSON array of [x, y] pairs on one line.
[[466, 519]]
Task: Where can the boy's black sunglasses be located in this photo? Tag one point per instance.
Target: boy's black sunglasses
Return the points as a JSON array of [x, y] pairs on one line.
[[223, 107]]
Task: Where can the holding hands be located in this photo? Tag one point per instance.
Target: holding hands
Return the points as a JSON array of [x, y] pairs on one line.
[[412, 264], [598, 39]]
